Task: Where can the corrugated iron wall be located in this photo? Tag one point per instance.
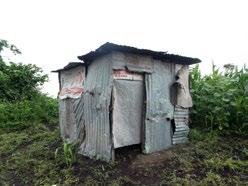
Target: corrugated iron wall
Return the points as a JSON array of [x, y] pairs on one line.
[[68, 101], [96, 102], [157, 127], [67, 121], [89, 115], [72, 127], [78, 110], [181, 117], [181, 114]]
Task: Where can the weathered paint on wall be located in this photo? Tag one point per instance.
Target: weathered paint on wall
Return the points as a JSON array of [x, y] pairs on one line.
[[157, 127], [71, 82]]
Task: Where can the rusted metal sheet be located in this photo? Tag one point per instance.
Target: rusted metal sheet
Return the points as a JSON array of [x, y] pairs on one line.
[[96, 100], [159, 110]]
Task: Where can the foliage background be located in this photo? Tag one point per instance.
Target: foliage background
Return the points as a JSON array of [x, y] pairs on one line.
[[21, 102], [220, 100]]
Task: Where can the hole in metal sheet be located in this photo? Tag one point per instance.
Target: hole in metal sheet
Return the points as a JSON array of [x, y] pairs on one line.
[[173, 126]]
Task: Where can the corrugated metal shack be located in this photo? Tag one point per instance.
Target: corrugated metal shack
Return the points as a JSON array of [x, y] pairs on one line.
[[120, 96]]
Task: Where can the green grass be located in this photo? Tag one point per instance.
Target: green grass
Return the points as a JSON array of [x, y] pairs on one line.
[[34, 156]]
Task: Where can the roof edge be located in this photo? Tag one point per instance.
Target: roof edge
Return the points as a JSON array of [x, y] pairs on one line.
[[163, 56], [69, 66]]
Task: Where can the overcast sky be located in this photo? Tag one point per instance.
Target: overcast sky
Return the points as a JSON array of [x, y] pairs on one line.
[[51, 33]]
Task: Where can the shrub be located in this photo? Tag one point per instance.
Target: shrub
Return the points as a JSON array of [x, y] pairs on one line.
[[21, 102], [220, 99], [22, 114], [19, 81]]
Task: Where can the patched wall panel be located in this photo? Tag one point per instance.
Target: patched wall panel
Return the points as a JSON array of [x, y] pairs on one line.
[[159, 109], [71, 82]]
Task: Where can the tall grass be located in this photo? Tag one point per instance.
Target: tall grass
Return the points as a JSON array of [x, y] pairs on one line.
[[220, 99]]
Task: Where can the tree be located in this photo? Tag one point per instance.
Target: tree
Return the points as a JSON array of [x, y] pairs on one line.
[[18, 81], [5, 45]]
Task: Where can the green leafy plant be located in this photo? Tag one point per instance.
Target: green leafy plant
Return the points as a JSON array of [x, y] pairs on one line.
[[220, 99], [69, 153]]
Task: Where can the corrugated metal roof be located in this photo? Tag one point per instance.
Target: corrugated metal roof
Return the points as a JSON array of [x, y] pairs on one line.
[[70, 66], [163, 56]]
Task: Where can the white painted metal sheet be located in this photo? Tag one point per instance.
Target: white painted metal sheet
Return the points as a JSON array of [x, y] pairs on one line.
[[127, 112], [72, 82]]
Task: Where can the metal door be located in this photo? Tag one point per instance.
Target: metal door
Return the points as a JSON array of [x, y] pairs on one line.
[[127, 110]]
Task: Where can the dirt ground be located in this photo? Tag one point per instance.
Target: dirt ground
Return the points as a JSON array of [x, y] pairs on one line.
[[206, 162], [35, 156]]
